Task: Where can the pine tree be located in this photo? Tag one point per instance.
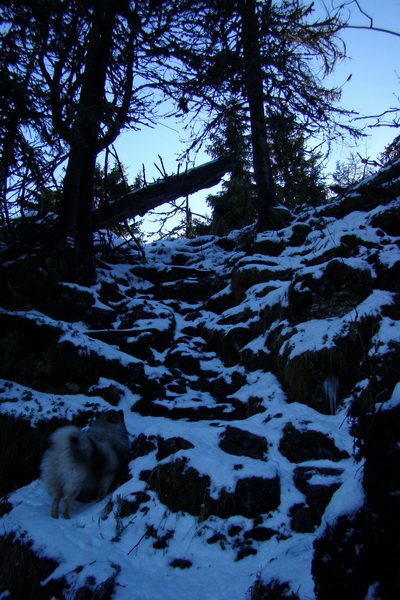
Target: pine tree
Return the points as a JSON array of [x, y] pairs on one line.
[[392, 151], [270, 58], [94, 69], [297, 169], [28, 155], [83, 71], [233, 207]]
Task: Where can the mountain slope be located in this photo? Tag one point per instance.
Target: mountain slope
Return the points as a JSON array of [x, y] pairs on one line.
[[252, 371]]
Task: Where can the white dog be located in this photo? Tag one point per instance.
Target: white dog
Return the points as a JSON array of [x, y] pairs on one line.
[[84, 462]]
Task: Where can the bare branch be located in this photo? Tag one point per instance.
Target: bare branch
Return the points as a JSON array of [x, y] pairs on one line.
[[371, 25], [364, 13], [385, 112], [372, 28]]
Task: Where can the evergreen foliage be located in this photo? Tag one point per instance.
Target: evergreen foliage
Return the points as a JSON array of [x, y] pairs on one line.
[[296, 51], [77, 74], [391, 152], [109, 186], [350, 172], [234, 206], [297, 169]]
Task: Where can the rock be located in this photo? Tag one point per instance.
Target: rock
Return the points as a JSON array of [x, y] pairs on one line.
[[245, 275], [300, 232], [262, 245], [255, 361], [226, 412], [228, 341], [363, 550], [111, 393], [110, 293], [299, 446], [180, 357], [305, 517], [181, 563], [342, 565], [234, 530], [244, 552], [34, 354], [179, 487], [303, 374], [388, 277], [217, 537], [191, 289], [126, 508], [243, 443], [170, 446], [182, 488], [388, 220], [382, 485], [338, 291], [72, 302], [382, 461], [176, 281], [253, 496], [260, 534], [142, 446]]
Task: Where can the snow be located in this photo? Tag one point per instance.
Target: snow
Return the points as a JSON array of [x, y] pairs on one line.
[[87, 539], [322, 333], [394, 401], [103, 545]]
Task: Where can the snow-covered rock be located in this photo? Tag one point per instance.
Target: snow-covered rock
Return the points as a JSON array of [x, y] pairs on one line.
[[249, 369]]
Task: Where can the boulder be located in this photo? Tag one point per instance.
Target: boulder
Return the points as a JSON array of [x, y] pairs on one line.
[[243, 443], [299, 446], [339, 290], [183, 488], [307, 516], [170, 446]]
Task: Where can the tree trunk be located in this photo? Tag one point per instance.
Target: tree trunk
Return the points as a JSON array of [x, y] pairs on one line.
[[68, 259], [76, 261], [255, 95]]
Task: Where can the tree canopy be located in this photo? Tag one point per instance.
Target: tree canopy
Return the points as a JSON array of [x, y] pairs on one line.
[[78, 73]]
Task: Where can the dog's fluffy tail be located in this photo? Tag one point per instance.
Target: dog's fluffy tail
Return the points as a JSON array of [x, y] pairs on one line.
[[71, 439], [65, 436]]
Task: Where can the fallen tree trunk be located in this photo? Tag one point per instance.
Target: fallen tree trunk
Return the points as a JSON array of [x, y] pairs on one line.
[[139, 202]]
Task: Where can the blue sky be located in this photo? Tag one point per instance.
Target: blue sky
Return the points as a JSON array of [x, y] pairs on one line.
[[373, 88], [375, 68]]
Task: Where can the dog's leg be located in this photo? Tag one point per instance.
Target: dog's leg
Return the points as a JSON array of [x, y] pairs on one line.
[[65, 507], [105, 483], [54, 506]]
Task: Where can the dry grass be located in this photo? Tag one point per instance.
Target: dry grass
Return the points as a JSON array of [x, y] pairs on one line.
[[22, 571]]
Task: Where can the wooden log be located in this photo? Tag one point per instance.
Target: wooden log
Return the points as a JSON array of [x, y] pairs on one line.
[[139, 202]]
